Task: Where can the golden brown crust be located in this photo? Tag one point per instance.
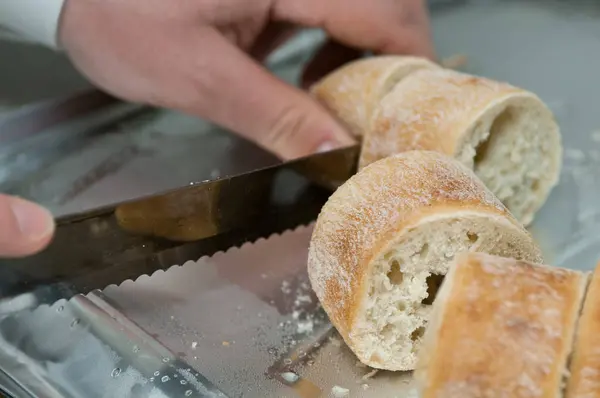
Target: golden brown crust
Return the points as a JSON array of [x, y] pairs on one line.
[[378, 202], [585, 365], [504, 329], [431, 110], [353, 91]]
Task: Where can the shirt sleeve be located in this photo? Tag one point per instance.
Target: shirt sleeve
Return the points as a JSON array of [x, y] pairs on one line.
[[31, 20]]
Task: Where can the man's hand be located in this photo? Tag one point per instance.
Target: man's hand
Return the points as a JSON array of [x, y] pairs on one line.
[[203, 57], [25, 228], [192, 55]]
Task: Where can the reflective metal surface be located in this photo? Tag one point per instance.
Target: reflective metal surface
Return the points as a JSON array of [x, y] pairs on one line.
[[107, 246], [252, 311], [86, 348]]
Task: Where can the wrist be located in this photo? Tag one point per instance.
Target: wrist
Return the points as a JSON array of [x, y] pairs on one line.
[[33, 20]]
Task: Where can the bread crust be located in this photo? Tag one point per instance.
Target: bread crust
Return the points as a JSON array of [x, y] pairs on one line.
[[398, 104], [380, 202], [435, 110], [500, 328], [353, 91], [584, 380]]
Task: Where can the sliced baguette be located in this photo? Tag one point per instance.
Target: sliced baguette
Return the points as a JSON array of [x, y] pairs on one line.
[[505, 134], [585, 364], [353, 91], [385, 239], [500, 328]]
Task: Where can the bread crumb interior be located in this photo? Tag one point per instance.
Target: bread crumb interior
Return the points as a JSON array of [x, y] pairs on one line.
[[405, 280], [513, 158]]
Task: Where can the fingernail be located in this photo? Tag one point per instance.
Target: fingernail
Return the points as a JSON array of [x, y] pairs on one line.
[[328, 146], [34, 221]]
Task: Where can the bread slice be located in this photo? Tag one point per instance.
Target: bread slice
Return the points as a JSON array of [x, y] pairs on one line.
[[585, 364], [507, 135], [353, 91], [384, 240], [500, 328]]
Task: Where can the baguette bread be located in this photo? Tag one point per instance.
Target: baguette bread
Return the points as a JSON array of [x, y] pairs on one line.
[[500, 328], [505, 134], [585, 364], [353, 91], [384, 240]]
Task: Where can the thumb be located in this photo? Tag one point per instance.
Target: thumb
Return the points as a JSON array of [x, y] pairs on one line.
[[25, 228], [243, 96]]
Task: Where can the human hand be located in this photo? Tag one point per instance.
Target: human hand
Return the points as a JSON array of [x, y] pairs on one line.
[[25, 228], [203, 57]]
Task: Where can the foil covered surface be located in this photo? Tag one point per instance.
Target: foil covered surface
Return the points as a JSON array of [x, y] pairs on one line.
[[244, 322], [252, 312]]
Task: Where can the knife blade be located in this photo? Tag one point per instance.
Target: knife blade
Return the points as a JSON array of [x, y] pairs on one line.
[[109, 245]]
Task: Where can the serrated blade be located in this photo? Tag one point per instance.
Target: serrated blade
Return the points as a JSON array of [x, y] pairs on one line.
[[112, 244]]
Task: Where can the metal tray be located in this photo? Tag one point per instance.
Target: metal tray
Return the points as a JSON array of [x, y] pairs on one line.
[[236, 324]]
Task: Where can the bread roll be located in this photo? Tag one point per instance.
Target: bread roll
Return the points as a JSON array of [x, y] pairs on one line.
[[384, 240], [354, 90], [505, 134], [585, 364], [500, 328]]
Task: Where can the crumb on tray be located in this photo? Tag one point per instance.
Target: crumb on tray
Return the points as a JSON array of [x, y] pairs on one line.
[[290, 377], [340, 392], [285, 287], [370, 374]]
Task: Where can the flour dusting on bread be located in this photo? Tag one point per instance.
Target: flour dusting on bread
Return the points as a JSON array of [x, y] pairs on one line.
[[384, 241], [506, 134], [353, 91], [512, 337]]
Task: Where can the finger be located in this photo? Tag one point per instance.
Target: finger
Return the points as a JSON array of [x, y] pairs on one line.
[[329, 57], [25, 228], [384, 26], [238, 93]]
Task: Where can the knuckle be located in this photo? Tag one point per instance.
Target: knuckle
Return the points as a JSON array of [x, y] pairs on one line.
[[287, 126]]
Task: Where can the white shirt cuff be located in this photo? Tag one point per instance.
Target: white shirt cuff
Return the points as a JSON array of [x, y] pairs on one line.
[[32, 20]]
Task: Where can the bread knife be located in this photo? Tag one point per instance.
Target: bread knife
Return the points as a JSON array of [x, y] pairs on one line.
[[109, 245]]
